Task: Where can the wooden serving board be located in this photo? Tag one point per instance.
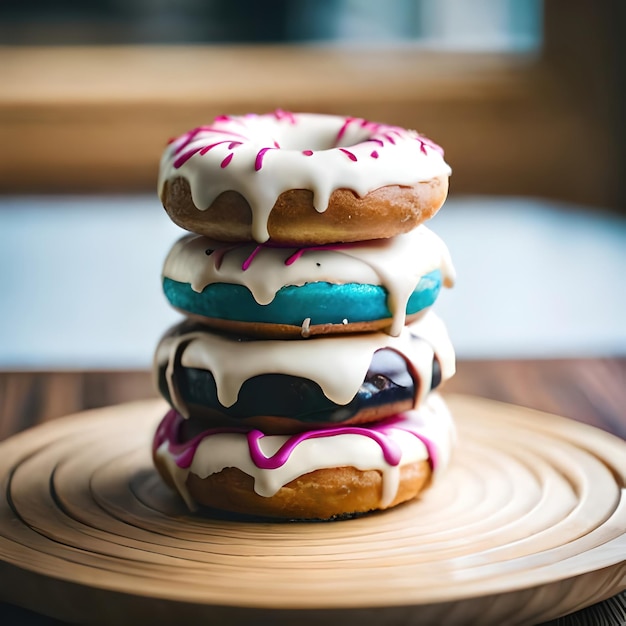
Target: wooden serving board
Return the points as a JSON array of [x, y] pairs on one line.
[[528, 523]]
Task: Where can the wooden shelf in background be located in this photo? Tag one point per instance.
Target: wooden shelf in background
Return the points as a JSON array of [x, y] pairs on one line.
[[96, 119]]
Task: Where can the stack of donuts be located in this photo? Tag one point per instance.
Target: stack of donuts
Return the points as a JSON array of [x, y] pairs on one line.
[[301, 380]]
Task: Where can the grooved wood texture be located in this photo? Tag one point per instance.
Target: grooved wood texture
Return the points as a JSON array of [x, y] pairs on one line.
[[528, 524]]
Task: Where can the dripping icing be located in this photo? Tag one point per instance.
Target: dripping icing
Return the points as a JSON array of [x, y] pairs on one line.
[[397, 264], [414, 436], [232, 362], [404, 157]]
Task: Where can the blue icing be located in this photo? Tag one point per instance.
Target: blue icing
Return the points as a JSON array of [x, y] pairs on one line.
[[323, 302]]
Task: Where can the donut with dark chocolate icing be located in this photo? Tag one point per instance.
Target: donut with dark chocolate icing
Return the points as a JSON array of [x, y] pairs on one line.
[[352, 379]]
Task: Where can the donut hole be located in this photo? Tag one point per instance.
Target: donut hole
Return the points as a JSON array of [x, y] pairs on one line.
[[320, 134], [352, 137]]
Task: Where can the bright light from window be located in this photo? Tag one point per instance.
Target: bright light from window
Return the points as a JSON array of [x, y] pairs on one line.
[[479, 25]]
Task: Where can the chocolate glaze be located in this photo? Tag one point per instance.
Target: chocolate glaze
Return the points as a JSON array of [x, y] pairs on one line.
[[283, 403]]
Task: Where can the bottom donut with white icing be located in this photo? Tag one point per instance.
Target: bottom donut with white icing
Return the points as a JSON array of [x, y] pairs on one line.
[[317, 474]]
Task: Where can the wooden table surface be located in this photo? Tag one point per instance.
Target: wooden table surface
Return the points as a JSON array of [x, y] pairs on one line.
[[592, 391]]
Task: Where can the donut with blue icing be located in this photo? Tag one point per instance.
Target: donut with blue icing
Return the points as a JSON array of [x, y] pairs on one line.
[[301, 179], [270, 291]]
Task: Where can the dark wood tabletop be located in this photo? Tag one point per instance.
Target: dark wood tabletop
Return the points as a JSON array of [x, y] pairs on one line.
[[592, 391]]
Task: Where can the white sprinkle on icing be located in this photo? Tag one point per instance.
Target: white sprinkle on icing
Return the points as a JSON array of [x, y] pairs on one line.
[[397, 264], [232, 362]]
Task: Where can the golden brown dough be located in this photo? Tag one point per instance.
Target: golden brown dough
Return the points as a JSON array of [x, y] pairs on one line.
[[285, 331], [382, 213], [323, 494]]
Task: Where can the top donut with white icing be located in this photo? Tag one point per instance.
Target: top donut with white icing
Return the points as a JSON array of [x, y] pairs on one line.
[[262, 156]]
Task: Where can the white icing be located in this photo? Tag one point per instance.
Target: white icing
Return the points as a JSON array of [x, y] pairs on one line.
[[178, 474], [404, 158], [397, 264], [219, 451], [338, 364]]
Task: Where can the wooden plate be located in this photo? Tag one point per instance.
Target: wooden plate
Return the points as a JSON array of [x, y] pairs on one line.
[[529, 523]]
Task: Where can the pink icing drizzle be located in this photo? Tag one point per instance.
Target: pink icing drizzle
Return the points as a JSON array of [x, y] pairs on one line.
[[342, 130], [227, 159], [385, 133], [183, 453], [219, 253], [390, 449], [300, 251], [231, 145], [246, 264], [191, 135], [379, 432], [279, 114], [351, 156], [183, 158], [258, 162], [290, 259], [425, 141]]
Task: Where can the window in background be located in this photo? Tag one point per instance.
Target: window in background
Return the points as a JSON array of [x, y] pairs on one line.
[[486, 25], [521, 94], [529, 78]]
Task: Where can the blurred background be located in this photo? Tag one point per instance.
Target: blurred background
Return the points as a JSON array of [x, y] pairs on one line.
[[527, 98], [504, 25]]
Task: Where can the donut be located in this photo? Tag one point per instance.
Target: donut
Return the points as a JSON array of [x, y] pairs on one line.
[[319, 474], [278, 292], [301, 179], [284, 386]]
